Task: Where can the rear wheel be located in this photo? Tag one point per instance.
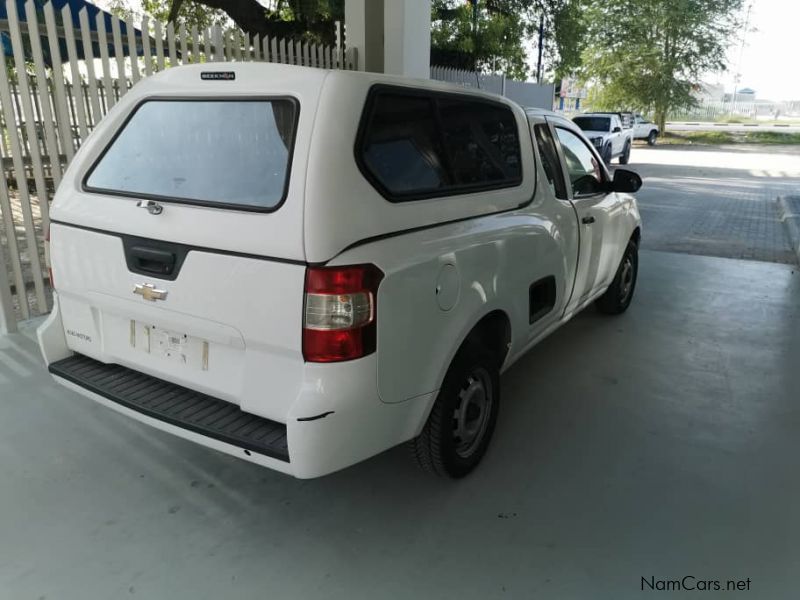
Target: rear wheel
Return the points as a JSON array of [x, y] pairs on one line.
[[462, 420], [619, 294], [626, 154], [651, 138]]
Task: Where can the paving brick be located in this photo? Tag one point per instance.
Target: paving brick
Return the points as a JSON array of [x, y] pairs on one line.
[[693, 202]]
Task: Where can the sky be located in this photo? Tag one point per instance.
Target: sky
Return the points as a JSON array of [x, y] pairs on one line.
[[769, 59]]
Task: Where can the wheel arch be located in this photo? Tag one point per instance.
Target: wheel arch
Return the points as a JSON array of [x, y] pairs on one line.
[[492, 331], [636, 236]]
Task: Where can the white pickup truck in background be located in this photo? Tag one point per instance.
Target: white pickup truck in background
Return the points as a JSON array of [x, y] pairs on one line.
[[645, 130], [607, 134]]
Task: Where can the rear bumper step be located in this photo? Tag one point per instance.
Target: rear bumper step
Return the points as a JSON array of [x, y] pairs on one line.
[[176, 405]]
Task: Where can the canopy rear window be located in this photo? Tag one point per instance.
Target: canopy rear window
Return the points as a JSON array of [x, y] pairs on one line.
[[593, 123], [232, 153]]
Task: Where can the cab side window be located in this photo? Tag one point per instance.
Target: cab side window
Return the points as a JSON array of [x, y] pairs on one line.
[[415, 145], [585, 173], [480, 140], [549, 157]]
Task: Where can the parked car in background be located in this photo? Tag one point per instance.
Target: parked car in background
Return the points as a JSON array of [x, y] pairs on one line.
[[227, 271], [645, 130], [607, 134]]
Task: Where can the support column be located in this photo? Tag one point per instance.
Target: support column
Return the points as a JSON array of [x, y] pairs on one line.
[[363, 21], [407, 38], [392, 36]]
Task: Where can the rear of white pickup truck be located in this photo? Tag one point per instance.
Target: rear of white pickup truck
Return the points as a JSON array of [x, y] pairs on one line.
[[180, 272]]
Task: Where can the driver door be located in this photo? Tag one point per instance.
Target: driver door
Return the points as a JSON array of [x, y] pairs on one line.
[[640, 128], [596, 211], [617, 138]]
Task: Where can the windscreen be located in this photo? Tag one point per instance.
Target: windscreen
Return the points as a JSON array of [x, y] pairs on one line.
[[592, 123], [220, 152]]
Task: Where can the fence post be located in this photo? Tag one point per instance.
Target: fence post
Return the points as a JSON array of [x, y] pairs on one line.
[[102, 42], [36, 162], [61, 108], [8, 321], [133, 51]]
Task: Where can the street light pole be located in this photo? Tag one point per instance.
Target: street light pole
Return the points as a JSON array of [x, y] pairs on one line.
[[541, 41], [474, 34]]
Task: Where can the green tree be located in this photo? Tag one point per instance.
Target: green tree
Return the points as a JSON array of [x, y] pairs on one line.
[[488, 37], [491, 35], [188, 13], [650, 54], [566, 44], [306, 19]]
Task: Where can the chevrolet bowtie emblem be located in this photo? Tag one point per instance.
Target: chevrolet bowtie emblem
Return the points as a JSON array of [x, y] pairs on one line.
[[149, 292]]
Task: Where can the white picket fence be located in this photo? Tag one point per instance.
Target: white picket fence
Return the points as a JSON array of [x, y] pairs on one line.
[[46, 112]]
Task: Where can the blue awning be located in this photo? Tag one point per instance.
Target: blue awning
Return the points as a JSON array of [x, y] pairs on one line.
[[76, 6]]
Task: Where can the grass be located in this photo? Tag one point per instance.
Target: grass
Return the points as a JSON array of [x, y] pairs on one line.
[[735, 120], [729, 137]]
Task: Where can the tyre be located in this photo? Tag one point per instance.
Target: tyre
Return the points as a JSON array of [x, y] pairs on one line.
[[619, 294], [607, 154], [651, 138], [462, 420], [626, 154]]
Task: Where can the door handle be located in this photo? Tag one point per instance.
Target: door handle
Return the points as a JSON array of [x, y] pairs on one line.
[[587, 220], [151, 260]]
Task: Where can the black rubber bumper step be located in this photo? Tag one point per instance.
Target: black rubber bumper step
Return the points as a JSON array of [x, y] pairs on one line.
[[176, 405]]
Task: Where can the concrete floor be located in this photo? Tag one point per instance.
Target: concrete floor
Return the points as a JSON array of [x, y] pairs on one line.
[[662, 443]]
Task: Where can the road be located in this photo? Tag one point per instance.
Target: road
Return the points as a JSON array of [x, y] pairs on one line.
[[733, 127], [717, 201]]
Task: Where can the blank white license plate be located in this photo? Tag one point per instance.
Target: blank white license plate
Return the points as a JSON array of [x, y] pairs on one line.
[[172, 345]]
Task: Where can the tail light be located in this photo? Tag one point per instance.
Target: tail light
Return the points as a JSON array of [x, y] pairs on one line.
[[47, 261], [340, 318]]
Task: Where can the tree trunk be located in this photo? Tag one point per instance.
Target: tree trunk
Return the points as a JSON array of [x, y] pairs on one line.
[[661, 121], [660, 117]]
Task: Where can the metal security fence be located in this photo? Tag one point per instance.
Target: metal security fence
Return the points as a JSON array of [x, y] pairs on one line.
[[710, 110], [60, 73], [524, 93]]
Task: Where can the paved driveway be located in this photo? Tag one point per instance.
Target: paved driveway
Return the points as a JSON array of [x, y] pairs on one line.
[[775, 126], [662, 443], [717, 201]]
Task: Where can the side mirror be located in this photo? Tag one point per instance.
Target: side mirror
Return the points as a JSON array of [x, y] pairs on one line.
[[616, 130], [626, 181], [586, 185]]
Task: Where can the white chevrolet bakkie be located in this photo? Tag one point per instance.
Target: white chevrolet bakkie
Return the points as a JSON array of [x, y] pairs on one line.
[[303, 268]]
